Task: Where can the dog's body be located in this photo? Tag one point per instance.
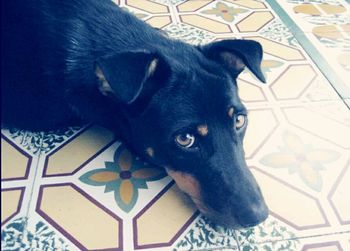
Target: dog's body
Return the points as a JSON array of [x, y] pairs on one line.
[[174, 104], [49, 49]]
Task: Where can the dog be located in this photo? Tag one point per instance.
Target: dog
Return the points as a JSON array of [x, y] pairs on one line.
[[175, 105]]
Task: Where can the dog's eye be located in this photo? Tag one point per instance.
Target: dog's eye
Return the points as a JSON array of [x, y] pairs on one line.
[[240, 121], [185, 140]]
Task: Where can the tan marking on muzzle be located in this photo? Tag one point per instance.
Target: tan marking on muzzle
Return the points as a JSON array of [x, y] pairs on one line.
[[189, 185], [150, 151], [230, 112], [203, 130]]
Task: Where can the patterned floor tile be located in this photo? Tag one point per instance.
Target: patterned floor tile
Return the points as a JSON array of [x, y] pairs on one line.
[[68, 208], [322, 27], [80, 189], [12, 198], [148, 6], [328, 242], [307, 166]]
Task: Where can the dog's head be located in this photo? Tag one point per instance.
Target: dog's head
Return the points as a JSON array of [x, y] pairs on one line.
[[184, 114]]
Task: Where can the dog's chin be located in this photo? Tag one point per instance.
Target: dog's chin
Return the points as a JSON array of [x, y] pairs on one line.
[[221, 219], [216, 217]]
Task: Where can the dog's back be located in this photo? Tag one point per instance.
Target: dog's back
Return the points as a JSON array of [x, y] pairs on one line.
[[49, 47], [28, 52]]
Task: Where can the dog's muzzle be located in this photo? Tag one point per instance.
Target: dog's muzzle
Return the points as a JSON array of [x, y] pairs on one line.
[[245, 216]]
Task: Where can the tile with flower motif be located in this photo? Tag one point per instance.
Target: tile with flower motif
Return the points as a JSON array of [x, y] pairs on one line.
[[124, 176], [225, 12], [304, 170], [305, 160]]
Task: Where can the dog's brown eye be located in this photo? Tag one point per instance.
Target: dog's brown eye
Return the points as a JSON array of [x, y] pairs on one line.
[[240, 121], [185, 140]]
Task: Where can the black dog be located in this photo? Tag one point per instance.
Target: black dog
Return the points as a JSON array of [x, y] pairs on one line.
[[172, 103]]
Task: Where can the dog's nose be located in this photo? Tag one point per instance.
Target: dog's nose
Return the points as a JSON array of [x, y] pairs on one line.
[[253, 215]]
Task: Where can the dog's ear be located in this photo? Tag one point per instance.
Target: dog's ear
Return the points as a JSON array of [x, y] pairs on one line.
[[125, 75], [234, 55]]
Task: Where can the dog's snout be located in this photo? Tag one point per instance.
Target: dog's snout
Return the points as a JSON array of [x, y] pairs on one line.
[[254, 209], [253, 215]]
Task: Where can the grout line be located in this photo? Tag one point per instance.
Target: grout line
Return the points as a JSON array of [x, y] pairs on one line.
[[30, 187], [174, 14]]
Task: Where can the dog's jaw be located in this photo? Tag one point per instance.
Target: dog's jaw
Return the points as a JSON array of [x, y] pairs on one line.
[[189, 185]]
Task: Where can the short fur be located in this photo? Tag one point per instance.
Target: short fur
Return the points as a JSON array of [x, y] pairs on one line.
[[68, 62]]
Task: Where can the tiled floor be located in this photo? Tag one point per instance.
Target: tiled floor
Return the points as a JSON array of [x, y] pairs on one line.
[[62, 191]]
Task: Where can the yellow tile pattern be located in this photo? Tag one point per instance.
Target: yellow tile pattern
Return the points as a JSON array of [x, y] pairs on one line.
[[205, 23], [13, 163], [9, 203], [188, 6], [148, 6], [282, 198], [252, 4], [255, 21], [69, 209], [291, 83], [279, 50], [159, 22], [93, 140], [156, 226]]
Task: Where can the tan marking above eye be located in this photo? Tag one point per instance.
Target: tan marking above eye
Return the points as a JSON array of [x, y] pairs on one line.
[[230, 112], [203, 130], [150, 151]]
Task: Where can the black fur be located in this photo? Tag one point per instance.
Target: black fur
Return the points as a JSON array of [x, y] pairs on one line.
[[51, 50]]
